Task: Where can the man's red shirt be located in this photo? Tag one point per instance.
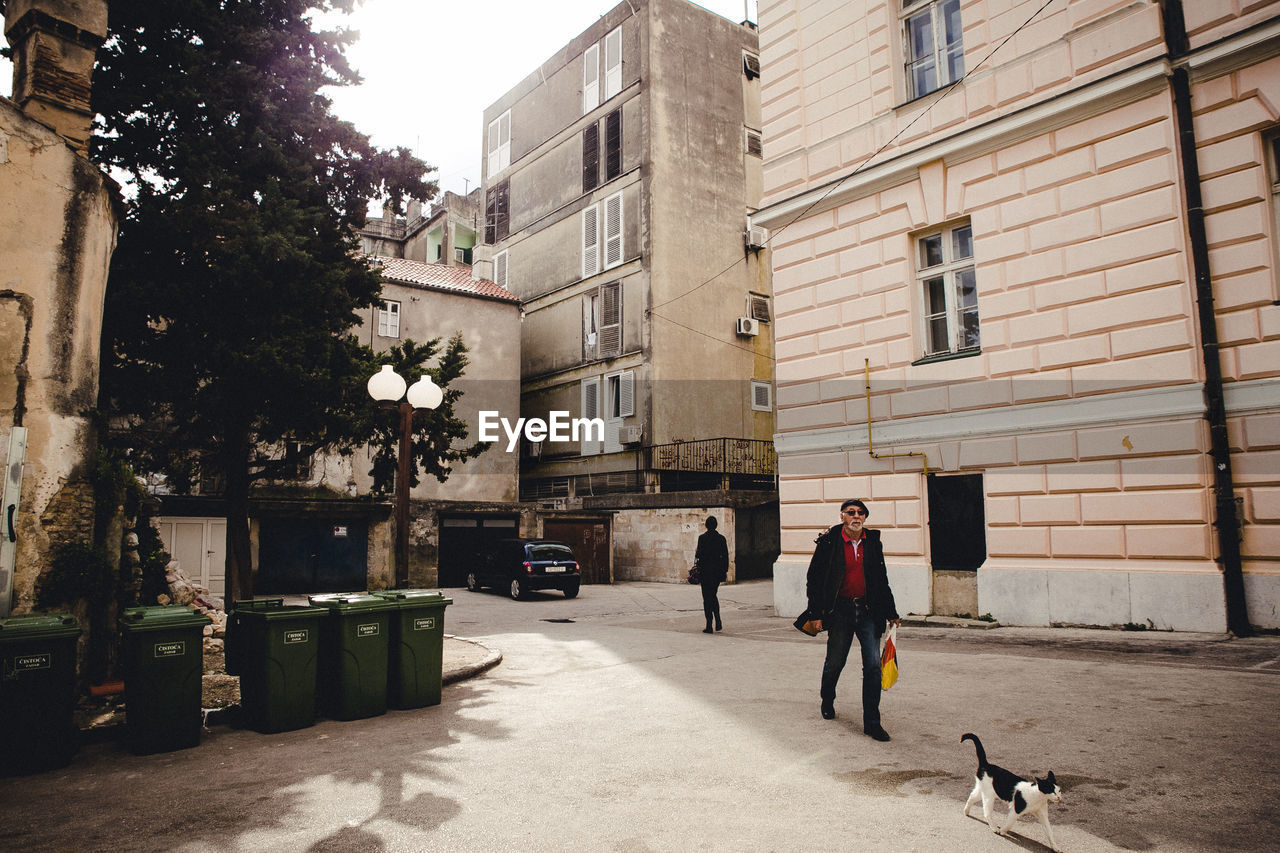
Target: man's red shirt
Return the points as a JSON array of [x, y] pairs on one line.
[[855, 582]]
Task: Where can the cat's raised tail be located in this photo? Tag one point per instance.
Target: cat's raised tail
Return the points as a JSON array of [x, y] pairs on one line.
[[982, 753]]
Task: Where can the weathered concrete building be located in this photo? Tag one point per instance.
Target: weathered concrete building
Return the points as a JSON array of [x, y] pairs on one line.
[[57, 233], [446, 233], [617, 180], [1025, 265]]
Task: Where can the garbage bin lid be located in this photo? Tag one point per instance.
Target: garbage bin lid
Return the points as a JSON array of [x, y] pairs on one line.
[[39, 626], [161, 617], [414, 596], [354, 601], [284, 613], [257, 604]]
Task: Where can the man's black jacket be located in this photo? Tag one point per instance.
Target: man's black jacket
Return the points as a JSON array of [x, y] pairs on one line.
[[826, 573]]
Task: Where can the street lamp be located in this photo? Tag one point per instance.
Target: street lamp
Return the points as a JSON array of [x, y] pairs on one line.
[[388, 387]]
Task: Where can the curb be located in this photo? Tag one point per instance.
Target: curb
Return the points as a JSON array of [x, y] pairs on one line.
[[460, 673], [918, 621]]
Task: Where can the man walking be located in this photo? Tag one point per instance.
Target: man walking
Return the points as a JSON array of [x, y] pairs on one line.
[[848, 590]]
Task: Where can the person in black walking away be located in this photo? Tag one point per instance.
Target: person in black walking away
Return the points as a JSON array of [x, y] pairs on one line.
[[848, 590], [712, 559]]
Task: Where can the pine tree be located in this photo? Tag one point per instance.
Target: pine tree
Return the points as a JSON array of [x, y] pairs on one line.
[[236, 279]]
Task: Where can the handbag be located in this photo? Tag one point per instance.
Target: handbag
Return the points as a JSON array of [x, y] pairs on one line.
[[889, 659], [695, 576], [807, 623]]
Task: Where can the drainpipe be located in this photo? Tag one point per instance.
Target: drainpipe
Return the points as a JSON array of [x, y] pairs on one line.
[[1228, 523], [871, 448]]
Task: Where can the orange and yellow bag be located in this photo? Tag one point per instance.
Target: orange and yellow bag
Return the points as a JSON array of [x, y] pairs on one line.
[[889, 659]]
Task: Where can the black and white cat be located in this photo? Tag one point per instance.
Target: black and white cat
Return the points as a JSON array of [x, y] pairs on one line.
[[1023, 796]]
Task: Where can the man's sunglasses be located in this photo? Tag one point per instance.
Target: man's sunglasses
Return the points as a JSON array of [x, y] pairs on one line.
[[854, 511]]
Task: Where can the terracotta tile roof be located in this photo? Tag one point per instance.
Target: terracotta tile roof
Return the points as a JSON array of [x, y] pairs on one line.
[[440, 277]]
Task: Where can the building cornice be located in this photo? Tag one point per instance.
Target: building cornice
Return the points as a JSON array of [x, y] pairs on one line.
[[1177, 402]]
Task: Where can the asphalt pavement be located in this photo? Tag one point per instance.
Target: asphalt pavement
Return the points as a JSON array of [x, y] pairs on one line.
[[613, 723]]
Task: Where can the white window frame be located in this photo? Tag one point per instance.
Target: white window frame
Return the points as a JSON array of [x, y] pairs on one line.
[[500, 143], [761, 395], [758, 307], [953, 280], [389, 319], [500, 269], [611, 225], [590, 78], [590, 241], [620, 395], [931, 16], [613, 63], [602, 334]]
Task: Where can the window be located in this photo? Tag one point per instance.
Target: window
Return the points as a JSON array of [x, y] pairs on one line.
[[500, 143], [758, 307], [750, 65], [761, 396], [594, 222], [613, 63], [590, 79], [500, 269], [935, 51], [949, 291], [602, 322], [497, 213], [590, 157], [620, 398], [754, 144], [613, 145], [389, 320]]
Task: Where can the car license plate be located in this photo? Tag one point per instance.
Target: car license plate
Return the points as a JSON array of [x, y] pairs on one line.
[[552, 569]]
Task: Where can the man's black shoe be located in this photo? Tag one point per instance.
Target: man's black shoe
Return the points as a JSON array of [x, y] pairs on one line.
[[828, 711], [876, 732]]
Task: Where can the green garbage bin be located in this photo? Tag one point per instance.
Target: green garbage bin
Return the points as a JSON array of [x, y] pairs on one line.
[[231, 648], [278, 647], [162, 658], [352, 674], [37, 692], [416, 647]]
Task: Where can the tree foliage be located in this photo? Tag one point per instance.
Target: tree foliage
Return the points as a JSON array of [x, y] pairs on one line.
[[236, 282]]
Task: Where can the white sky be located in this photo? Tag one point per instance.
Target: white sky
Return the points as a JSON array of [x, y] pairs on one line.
[[430, 67]]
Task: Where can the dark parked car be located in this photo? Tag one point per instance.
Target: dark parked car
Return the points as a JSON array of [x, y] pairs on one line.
[[519, 565]]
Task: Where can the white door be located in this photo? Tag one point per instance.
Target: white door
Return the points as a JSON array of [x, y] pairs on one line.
[[199, 547]]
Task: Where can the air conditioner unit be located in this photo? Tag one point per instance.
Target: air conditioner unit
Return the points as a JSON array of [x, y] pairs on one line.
[[630, 435], [757, 237], [748, 326]]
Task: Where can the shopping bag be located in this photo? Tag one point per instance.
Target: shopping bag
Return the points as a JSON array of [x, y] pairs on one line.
[[889, 659]]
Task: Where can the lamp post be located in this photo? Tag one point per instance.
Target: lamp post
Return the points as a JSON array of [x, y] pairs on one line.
[[389, 388]]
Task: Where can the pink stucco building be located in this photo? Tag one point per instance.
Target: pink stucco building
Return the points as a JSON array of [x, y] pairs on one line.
[[1004, 237]]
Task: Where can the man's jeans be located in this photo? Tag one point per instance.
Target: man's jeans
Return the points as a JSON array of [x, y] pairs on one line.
[[850, 618]]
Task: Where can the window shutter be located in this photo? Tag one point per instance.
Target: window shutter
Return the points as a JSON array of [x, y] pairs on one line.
[[504, 144], [491, 216], [610, 320], [590, 79], [590, 157], [504, 210], [627, 394], [613, 230], [755, 145], [613, 145], [590, 337], [590, 241], [613, 63], [590, 409], [493, 147], [750, 65], [760, 308], [500, 269]]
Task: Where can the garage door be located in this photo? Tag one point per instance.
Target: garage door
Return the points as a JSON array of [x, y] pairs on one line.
[[590, 543], [463, 539]]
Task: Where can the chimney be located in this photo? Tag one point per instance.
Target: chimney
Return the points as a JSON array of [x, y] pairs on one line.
[[54, 43]]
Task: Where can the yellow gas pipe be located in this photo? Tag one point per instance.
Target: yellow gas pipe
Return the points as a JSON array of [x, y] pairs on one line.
[[866, 368]]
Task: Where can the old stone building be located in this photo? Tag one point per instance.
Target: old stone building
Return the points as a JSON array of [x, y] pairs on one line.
[[57, 233]]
